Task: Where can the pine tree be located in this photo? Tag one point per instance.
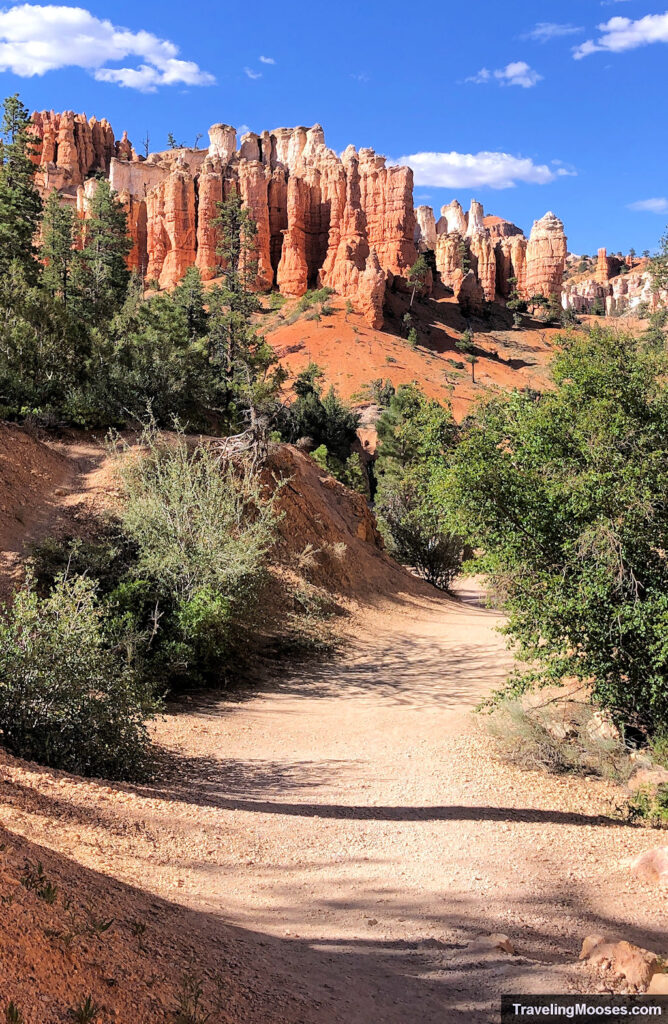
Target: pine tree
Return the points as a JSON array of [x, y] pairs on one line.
[[189, 296], [250, 368], [101, 276], [20, 203], [57, 250]]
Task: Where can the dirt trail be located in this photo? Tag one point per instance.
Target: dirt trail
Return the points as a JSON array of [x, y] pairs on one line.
[[355, 816]]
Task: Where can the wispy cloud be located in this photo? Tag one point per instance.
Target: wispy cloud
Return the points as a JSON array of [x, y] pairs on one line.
[[481, 77], [476, 170], [37, 38], [252, 74], [656, 205], [267, 60], [518, 72], [619, 34], [360, 76], [546, 30]]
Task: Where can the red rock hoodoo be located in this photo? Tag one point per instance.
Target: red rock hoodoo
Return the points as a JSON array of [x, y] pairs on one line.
[[495, 250], [347, 223]]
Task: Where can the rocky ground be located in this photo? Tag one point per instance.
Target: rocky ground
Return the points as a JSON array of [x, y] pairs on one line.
[[352, 354]]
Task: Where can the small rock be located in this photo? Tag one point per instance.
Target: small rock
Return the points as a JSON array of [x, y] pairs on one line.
[[633, 963], [652, 866], [658, 986], [589, 944], [496, 941], [648, 777], [601, 727]]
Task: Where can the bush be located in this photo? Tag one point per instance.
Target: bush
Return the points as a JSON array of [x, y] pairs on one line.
[[67, 699], [556, 737], [414, 535], [650, 806], [202, 528], [326, 419], [565, 495], [314, 298], [414, 434]]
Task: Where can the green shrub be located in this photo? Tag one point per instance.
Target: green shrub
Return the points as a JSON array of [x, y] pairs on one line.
[[650, 806], [564, 496], [414, 433], [659, 747], [66, 697], [202, 529], [197, 520], [319, 456]]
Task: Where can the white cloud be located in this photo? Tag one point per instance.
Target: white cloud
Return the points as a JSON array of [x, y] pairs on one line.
[[37, 38], [252, 74], [481, 77], [546, 30], [517, 72], [624, 34], [474, 170], [657, 205], [267, 60]]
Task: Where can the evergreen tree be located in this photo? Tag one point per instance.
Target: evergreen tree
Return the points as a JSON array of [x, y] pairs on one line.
[[57, 251], [251, 372], [20, 203], [189, 296], [101, 276], [418, 275], [414, 435]]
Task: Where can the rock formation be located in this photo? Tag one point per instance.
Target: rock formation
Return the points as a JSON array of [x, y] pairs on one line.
[[468, 292], [425, 228], [546, 257], [495, 250], [617, 285], [347, 223], [68, 148]]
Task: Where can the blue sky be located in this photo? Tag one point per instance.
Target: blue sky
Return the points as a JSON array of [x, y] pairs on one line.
[[553, 104]]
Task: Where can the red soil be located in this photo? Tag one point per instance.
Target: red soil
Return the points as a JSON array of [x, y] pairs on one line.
[[353, 354]]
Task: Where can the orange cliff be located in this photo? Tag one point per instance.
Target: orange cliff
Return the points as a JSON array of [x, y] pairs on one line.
[[494, 251], [322, 220], [345, 222]]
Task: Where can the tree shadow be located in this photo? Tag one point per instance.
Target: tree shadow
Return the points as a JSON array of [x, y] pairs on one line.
[[432, 974]]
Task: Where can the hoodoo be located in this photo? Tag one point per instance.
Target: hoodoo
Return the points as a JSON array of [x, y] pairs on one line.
[[323, 220]]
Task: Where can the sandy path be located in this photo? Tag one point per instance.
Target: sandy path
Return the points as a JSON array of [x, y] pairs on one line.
[[357, 818]]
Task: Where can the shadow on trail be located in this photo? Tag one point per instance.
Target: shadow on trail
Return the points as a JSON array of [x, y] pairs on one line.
[[432, 976]]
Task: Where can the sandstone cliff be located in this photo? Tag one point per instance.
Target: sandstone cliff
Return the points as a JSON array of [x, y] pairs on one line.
[[345, 222], [617, 285], [69, 147], [495, 251]]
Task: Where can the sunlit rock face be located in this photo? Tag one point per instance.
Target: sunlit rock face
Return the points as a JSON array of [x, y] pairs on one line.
[[346, 221], [495, 250]]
